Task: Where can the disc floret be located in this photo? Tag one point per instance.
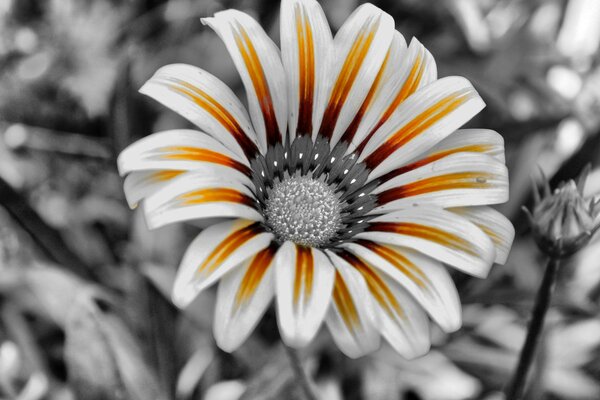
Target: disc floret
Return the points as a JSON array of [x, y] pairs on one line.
[[303, 210]]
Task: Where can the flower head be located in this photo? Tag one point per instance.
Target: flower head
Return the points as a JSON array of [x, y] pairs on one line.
[[564, 221], [346, 187]]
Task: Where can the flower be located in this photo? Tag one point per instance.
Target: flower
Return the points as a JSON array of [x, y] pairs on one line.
[[346, 188], [564, 221]]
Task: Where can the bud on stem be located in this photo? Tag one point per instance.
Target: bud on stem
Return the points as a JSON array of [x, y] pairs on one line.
[[563, 222]]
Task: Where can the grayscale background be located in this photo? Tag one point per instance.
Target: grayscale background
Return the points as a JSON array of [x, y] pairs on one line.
[[84, 286]]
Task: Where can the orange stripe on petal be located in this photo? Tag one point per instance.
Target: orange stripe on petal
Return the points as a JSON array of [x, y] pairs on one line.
[[417, 126], [212, 195], [347, 76], [230, 244], [162, 176], [399, 261], [254, 274], [377, 286], [498, 241], [306, 67], [218, 112], [198, 154], [429, 233], [304, 277], [353, 127], [474, 148], [409, 87], [344, 302], [259, 81], [458, 180]]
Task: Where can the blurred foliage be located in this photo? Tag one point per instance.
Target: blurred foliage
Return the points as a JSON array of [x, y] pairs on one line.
[[84, 285]]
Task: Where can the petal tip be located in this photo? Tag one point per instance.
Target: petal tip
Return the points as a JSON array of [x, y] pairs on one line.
[[295, 338], [452, 324], [227, 342], [146, 88], [181, 297], [418, 350], [294, 341]]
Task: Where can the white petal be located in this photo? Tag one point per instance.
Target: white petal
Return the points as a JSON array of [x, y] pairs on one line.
[[141, 184], [360, 47], [214, 252], [426, 279], [461, 179], [306, 47], [178, 149], [304, 280], [483, 141], [205, 101], [155, 160], [439, 234], [350, 318], [400, 320], [392, 61], [258, 61], [202, 193], [406, 71], [243, 297], [494, 224], [408, 334], [420, 122]]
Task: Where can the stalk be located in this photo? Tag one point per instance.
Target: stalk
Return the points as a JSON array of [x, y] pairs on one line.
[[518, 383], [302, 377]]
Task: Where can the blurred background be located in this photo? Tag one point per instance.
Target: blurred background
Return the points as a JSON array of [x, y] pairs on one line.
[[84, 285]]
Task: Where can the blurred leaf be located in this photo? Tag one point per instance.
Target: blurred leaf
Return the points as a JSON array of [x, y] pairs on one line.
[[161, 317], [36, 388], [389, 374], [129, 119], [49, 241], [164, 245], [225, 390], [55, 291], [200, 312], [104, 360], [192, 372], [275, 380]]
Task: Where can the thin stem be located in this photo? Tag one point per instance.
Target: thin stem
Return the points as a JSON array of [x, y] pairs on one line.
[[516, 388], [302, 377]]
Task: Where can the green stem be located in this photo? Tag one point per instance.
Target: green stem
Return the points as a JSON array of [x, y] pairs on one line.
[[516, 389], [302, 377]]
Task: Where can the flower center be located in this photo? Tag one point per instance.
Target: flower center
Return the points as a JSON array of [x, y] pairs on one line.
[[303, 210]]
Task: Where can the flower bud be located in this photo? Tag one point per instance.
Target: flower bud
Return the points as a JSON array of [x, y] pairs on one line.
[[563, 222]]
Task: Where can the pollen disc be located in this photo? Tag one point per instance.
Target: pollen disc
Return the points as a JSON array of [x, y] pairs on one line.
[[303, 210]]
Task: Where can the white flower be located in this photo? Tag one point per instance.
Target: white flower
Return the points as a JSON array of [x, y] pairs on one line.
[[347, 187]]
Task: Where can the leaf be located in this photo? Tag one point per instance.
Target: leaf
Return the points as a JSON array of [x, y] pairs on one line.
[[46, 238], [225, 390], [54, 289], [275, 380], [193, 370], [416, 376], [103, 358]]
